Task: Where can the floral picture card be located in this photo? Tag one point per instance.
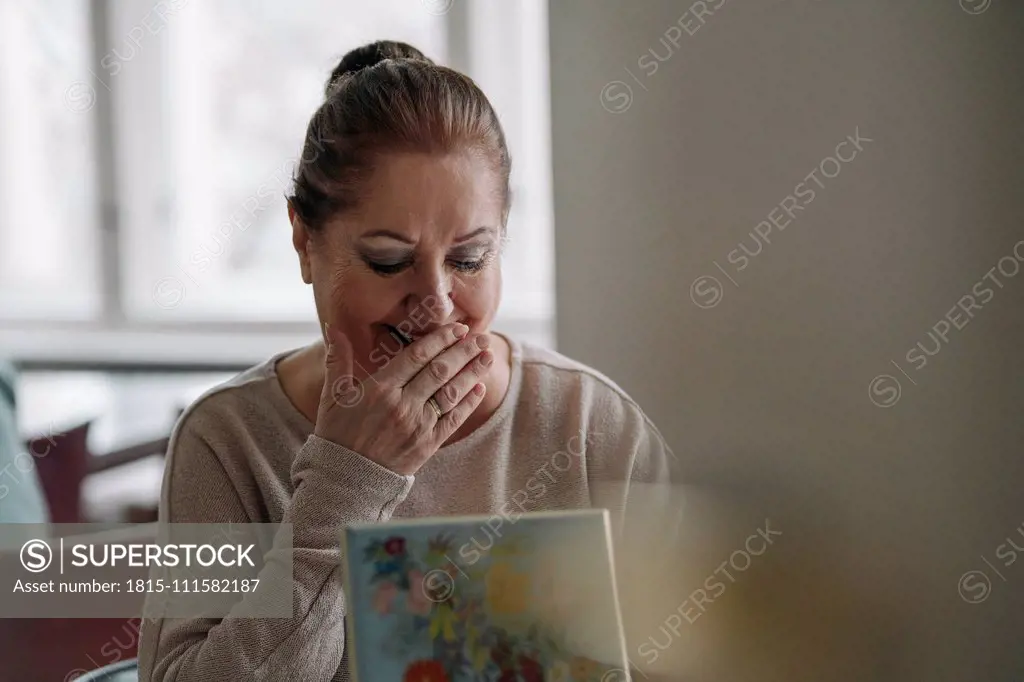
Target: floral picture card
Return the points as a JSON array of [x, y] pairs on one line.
[[472, 599]]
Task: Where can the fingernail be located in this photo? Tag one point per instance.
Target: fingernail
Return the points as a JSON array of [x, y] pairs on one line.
[[483, 341], [486, 359], [460, 330]]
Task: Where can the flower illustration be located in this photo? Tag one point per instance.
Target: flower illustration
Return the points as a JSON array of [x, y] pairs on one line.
[[425, 671], [418, 601], [394, 545], [453, 570], [440, 544], [442, 623], [490, 636], [508, 592], [530, 670], [501, 654], [382, 598], [582, 668], [470, 612], [558, 672]]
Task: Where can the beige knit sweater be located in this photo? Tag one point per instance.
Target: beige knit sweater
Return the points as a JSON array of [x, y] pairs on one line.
[[564, 437]]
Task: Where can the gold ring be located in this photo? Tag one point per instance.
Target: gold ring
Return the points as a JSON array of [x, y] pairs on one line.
[[432, 401]]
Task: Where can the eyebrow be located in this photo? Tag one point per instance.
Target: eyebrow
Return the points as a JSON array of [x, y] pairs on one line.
[[405, 240]]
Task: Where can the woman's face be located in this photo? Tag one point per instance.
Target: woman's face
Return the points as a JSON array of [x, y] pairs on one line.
[[420, 251]]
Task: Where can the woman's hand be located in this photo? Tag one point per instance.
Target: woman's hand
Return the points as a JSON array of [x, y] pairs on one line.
[[387, 417]]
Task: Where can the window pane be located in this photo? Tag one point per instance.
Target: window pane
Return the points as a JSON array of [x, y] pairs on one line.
[[48, 210], [239, 83], [508, 58]]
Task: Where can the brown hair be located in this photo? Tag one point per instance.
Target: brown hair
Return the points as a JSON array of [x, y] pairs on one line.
[[388, 97]]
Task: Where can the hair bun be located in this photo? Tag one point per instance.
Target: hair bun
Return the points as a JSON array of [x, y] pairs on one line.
[[370, 54]]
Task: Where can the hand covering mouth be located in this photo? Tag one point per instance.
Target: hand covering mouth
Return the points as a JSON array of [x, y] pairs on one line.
[[406, 338], [400, 336]]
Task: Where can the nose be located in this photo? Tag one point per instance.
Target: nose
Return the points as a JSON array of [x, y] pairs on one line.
[[432, 297]]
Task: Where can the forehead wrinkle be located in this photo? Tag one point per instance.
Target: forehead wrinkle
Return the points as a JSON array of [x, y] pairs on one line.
[[406, 197]]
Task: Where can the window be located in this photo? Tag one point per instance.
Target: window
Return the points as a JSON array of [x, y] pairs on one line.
[[49, 232], [147, 147]]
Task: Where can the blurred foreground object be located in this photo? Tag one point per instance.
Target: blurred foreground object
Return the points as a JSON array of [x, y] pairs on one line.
[[733, 585]]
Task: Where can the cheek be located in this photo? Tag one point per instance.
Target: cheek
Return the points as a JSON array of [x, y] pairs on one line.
[[479, 297], [354, 298], [342, 297]]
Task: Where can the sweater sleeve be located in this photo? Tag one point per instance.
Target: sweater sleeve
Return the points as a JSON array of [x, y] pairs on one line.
[[333, 486]]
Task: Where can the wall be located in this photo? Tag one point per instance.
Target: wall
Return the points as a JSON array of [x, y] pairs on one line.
[[790, 368]]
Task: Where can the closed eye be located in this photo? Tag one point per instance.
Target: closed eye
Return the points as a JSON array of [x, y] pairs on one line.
[[474, 264], [387, 268], [394, 268], [468, 265]]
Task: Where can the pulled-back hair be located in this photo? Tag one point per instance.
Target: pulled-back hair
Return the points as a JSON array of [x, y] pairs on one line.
[[387, 97]]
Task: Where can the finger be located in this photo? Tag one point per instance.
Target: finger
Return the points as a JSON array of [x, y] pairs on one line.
[[451, 421], [408, 363], [340, 385], [445, 366], [452, 393]]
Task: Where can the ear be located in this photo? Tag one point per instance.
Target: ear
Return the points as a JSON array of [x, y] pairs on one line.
[[300, 240]]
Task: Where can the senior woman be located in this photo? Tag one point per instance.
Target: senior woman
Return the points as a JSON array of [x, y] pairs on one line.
[[409, 405]]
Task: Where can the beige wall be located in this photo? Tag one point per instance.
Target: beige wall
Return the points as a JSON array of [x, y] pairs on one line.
[[762, 381]]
